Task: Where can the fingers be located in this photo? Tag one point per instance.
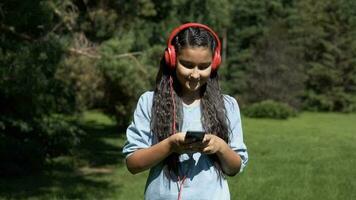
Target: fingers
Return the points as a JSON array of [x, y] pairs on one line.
[[208, 137], [212, 144], [210, 149], [209, 145], [198, 146]]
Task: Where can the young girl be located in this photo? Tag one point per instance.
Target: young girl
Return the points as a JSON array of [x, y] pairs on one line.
[[187, 97]]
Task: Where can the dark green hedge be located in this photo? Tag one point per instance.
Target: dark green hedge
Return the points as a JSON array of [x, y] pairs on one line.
[[269, 109]]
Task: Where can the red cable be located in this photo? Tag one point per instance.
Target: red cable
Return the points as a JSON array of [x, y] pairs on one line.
[[180, 186]]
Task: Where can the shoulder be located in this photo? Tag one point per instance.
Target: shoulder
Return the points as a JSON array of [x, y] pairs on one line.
[[146, 97], [144, 103], [230, 102]]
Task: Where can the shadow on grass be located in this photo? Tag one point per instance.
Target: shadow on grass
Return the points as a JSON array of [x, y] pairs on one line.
[[84, 175], [101, 146]]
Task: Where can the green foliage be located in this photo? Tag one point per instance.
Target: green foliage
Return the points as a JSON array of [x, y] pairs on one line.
[[82, 76], [25, 145], [329, 53], [269, 109], [276, 72], [19, 157], [261, 62], [57, 135], [29, 90], [27, 83], [287, 50], [330, 101], [125, 78]]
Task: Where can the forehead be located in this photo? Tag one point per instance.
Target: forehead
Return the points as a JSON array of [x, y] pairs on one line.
[[195, 54]]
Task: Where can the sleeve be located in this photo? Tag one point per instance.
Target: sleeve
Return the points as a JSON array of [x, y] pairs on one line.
[[236, 141], [138, 133]]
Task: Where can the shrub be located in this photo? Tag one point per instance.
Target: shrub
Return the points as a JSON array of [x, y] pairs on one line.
[[125, 78], [25, 145], [335, 101], [57, 135], [29, 95], [269, 109]]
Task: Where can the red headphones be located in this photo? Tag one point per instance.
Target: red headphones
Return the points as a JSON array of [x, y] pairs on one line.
[[170, 53]]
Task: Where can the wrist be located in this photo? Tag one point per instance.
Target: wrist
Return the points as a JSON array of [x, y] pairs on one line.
[[170, 144], [223, 147]]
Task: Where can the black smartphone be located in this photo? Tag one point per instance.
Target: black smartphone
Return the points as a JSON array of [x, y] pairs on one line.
[[195, 136]]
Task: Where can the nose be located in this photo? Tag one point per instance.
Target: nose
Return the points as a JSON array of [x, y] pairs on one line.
[[195, 73]]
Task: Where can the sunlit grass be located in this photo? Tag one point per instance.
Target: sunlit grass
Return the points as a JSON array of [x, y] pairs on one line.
[[308, 157]]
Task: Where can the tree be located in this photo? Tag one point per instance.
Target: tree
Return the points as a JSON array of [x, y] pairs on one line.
[[327, 36], [30, 51], [262, 63]]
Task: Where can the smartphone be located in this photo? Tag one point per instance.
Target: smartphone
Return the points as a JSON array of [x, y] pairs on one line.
[[194, 136]]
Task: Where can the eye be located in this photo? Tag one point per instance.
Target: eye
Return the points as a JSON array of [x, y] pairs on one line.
[[187, 64], [191, 65], [204, 66]]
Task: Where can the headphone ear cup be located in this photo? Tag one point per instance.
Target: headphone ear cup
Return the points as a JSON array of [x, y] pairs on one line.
[[216, 60], [167, 57], [170, 57]]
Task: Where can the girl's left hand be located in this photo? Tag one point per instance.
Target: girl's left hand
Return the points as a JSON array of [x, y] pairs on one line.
[[212, 144]]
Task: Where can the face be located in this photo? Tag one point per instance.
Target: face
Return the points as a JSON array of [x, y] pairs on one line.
[[193, 68]]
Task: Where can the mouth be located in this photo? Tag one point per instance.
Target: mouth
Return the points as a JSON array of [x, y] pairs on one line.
[[193, 84], [193, 80]]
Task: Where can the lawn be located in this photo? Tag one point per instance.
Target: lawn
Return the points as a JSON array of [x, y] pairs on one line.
[[311, 156]]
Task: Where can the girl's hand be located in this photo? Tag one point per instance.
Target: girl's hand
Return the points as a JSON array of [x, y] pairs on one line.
[[212, 144], [180, 145]]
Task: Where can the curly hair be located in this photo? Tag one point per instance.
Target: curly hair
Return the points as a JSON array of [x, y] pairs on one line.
[[212, 102]]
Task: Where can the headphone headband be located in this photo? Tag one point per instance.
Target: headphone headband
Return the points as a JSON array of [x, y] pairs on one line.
[[187, 25], [170, 54]]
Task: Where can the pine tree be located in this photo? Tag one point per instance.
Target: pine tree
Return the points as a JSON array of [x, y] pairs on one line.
[[327, 37], [262, 63]]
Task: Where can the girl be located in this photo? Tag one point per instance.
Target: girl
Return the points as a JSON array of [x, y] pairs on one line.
[[187, 97]]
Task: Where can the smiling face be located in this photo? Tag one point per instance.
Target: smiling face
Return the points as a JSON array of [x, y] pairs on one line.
[[193, 68]]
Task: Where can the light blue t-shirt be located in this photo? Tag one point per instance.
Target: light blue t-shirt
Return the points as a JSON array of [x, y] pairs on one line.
[[202, 180]]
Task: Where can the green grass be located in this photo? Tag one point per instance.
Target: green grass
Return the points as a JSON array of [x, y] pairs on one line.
[[308, 157], [311, 156]]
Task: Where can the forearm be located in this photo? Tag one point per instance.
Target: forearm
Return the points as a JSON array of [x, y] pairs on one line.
[[144, 159], [230, 161]]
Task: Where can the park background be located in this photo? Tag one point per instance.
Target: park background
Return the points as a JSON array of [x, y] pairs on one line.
[[71, 72]]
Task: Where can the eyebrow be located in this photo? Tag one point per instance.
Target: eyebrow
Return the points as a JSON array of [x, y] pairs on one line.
[[185, 62]]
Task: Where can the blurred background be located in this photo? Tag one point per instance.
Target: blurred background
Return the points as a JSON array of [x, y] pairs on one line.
[[71, 72]]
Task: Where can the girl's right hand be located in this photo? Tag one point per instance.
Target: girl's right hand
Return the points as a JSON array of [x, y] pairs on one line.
[[180, 145]]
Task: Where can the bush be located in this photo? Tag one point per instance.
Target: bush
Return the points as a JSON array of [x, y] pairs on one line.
[[24, 146], [125, 78], [81, 77], [57, 135], [19, 157], [269, 109], [334, 101], [29, 95]]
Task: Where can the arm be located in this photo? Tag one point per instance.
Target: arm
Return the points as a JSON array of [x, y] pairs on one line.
[[230, 161], [138, 149], [233, 157], [146, 158]]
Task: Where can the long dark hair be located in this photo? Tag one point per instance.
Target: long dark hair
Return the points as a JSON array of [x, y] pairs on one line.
[[212, 103]]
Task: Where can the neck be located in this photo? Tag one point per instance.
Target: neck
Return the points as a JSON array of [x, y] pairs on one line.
[[189, 97]]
